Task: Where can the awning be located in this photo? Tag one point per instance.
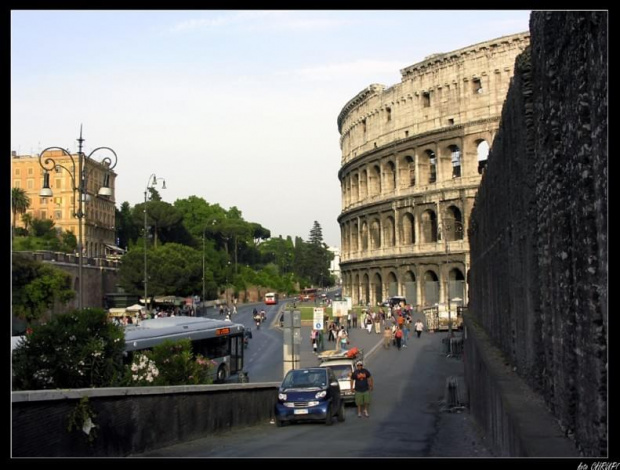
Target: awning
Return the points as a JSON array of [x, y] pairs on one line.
[[118, 249], [117, 312]]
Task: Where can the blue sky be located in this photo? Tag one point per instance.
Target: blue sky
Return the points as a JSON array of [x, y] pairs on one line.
[[236, 107]]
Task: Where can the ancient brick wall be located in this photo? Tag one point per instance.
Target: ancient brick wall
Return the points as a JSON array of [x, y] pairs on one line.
[[539, 226]]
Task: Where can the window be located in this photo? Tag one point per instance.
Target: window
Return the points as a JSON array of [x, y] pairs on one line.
[[30, 183], [426, 99], [477, 85], [44, 214], [58, 214], [389, 114], [456, 161], [17, 172], [30, 171]]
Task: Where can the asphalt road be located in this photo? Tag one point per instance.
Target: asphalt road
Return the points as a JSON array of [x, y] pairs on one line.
[[408, 414]]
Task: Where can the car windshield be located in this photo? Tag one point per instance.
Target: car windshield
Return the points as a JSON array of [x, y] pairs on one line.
[[305, 379], [343, 371]]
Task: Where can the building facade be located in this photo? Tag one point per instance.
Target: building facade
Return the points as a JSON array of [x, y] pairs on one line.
[[99, 219], [412, 159]]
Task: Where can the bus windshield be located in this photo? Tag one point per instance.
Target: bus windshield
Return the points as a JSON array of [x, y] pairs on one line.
[[218, 340]]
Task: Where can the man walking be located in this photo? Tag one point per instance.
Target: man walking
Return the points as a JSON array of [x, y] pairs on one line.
[[362, 382], [419, 326]]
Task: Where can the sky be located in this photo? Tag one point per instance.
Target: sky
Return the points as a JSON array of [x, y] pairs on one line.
[[238, 107]]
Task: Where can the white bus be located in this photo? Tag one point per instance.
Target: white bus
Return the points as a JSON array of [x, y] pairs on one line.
[[218, 340], [271, 298]]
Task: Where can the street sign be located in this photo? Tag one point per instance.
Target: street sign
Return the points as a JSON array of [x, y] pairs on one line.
[[317, 322]]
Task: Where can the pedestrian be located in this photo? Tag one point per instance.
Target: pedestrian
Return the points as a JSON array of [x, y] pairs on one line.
[[387, 337], [419, 327], [398, 336], [354, 318], [343, 338], [362, 382], [314, 339]]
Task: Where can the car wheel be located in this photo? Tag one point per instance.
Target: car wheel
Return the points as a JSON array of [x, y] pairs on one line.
[[279, 423], [330, 416], [341, 412]]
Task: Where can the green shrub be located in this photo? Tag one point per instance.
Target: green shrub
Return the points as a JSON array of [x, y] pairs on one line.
[[169, 363], [79, 349]]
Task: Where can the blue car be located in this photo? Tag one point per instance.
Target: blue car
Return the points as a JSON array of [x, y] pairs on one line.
[[310, 394]]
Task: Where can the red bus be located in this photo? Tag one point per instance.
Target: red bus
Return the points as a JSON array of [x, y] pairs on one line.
[[308, 294]]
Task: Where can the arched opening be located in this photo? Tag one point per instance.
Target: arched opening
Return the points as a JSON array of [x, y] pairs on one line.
[[364, 185], [432, 166], [483, 154], [375, 234], [378, 288], [389, 235], [408, 229], [364, 236], [366, 290], [429, 226], [392, 283], [453, 224], [354, 237], [455, 157], [456, 286], [431, 288], [411, 292], [375, 181], [390, 176]]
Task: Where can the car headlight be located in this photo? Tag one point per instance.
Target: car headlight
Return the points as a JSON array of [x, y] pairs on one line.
[[282, 396], [321, 394]]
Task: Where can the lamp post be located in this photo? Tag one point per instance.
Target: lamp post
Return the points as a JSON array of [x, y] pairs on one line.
[[151, 183], [449, 226], [79, 185]]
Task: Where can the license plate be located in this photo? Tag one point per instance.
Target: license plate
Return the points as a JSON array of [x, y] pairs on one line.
[[300, 412]]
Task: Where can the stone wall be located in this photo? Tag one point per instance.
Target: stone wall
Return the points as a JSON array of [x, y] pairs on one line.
[[538, 231], [134, 420]]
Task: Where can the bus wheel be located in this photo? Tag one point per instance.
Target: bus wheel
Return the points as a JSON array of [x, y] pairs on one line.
[[221, 373]]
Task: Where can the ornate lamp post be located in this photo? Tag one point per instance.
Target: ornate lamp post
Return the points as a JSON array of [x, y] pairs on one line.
[[454, 227], [79, 183], [151, 183]]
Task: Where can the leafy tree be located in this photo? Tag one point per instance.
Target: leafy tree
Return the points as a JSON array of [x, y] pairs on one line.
[[20, 202], [27, 221], [43, 228], [80, 349], [173, 269], [159, 216], [126, 228], [36, 287]]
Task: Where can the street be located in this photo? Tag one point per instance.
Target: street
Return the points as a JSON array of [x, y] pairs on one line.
[[407, 414]]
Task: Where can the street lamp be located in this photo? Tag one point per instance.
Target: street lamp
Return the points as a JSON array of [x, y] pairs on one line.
[[204, 291], [79, 183], [151, 183], [455, 227]]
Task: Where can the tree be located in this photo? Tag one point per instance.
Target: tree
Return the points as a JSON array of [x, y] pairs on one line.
[[37, 286], [316, 234], [159, 215], [80, 349], [20, 202]]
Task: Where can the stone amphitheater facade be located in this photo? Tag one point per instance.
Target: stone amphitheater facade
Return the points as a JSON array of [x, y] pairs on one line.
[[413, 156]]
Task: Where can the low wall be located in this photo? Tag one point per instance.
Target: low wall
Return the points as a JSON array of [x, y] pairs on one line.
[[134, 420], [514, 419]]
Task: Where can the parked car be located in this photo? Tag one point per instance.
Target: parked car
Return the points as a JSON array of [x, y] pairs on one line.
[[309, 394]]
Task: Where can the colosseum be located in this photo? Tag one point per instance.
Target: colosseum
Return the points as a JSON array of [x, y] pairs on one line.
[[413, 155]]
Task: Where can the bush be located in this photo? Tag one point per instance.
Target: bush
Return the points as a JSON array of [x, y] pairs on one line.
[[169, 363], [80, 349]]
